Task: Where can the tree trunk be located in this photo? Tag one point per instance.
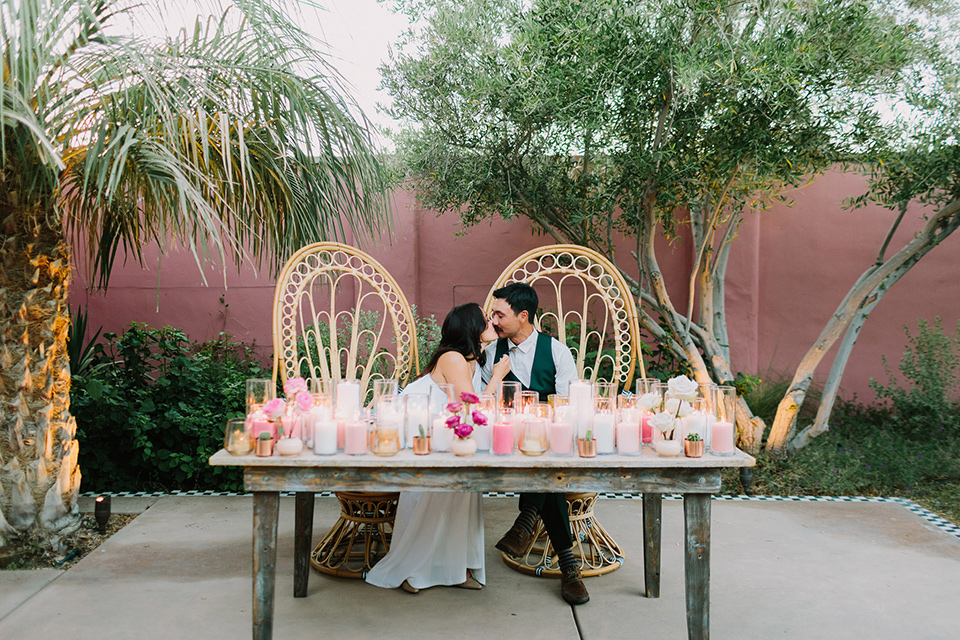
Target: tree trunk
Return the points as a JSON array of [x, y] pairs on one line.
[[832, 386], [937, 228], [38, 452]]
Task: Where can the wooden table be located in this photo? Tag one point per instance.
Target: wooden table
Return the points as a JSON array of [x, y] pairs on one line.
[[305, 474]]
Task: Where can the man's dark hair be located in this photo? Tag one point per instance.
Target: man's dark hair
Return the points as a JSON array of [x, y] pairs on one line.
[[521, 297]]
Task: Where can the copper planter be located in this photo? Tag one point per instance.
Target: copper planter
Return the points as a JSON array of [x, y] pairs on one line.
[[693, 448], [587, 448]]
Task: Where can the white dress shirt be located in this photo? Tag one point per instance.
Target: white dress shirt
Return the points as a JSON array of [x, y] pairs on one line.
[[521, 362]]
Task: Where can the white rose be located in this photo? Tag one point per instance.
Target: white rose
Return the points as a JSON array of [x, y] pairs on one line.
[[664, 422], [682, 387], [649, 400], [677, 407]]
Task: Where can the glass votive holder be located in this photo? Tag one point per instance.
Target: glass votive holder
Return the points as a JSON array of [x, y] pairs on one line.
[[236, 440], [385, 438], [534, 439], [605, 390], [259, 391]]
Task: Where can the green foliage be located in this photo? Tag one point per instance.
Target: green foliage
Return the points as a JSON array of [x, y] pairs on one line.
[[153, 409], [80, 351], [930, 365], [764, 398]]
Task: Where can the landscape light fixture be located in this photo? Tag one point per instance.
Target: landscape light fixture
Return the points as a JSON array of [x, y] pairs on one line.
[[101, 511]]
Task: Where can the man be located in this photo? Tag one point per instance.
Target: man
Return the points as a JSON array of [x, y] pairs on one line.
[[542, 364]]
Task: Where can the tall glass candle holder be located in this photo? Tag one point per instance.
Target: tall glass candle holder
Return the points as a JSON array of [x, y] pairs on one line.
[[382, 387], [723, 431], [528, 400], [649, 396], [259, 391], [442, 437], [628, 426], [418, 423], [604, 424], [581, 406], [482, 432], [385, 440]]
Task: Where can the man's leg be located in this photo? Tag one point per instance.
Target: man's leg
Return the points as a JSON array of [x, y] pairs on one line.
[[552, 509], [515, 542], [556, 520]]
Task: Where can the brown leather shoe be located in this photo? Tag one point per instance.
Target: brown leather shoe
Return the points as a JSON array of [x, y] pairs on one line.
[[572, 588], [515, 542]]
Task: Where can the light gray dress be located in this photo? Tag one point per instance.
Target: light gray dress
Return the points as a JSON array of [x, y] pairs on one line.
[[437, 535]]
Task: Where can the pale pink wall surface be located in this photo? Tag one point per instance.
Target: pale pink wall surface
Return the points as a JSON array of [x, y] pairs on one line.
[[789, 269]]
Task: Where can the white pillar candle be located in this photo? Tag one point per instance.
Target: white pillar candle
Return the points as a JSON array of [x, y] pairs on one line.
[[581, 405], [355, 437], [442, 435], [348, 399], [325, 437], [603, 425], [481, 433]]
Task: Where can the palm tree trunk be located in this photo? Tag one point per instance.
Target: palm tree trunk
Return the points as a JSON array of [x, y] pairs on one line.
[[38, 451]]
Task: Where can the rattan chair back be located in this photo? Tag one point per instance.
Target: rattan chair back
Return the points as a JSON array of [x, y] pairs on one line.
[[338, 314], [586, 304]]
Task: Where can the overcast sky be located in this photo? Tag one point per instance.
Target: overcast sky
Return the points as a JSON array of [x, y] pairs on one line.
[[358, 32]]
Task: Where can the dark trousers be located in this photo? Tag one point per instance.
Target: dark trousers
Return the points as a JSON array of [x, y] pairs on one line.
[[552, 508]]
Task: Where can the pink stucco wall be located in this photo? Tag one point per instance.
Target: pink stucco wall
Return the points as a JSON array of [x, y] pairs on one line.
[[789, 269]]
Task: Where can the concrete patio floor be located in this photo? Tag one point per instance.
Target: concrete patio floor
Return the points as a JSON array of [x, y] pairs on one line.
[[779, 569]]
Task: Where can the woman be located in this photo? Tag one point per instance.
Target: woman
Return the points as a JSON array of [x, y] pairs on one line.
[[438, 536]]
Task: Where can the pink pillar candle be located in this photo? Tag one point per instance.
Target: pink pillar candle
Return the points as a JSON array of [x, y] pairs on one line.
[[502, 438], [628, 438], [355, 438], [721, 439], [561, 439], [646, 429]]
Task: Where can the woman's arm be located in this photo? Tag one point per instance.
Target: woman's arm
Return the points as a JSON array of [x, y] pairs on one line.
[[453, 368], [500, 370]]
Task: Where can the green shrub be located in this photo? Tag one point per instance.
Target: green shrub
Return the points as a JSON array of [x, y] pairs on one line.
[[924, 409], [152, 409]]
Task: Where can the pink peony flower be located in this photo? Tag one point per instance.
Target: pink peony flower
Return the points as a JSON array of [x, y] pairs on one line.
[[275, 408], [303, 401], [454, 407], [478, 418], [453, 421], [463, 431], [293, 386], [469, 398]]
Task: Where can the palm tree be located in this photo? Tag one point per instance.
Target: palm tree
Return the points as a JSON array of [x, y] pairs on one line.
[[233, 138]]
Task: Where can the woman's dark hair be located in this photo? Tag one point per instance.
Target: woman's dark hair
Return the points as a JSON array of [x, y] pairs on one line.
[[461, 333]]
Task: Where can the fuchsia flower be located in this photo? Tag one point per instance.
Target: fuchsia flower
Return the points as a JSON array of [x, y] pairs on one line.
[[469, 398], [453, 421], [275, 408], [478, 418], [463, 431], [454, 407]]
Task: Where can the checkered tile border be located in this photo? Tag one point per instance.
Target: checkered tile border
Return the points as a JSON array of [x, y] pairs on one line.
[[940, 523]]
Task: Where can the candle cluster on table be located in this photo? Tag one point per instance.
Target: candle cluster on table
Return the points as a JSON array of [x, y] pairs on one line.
[[591, 419]]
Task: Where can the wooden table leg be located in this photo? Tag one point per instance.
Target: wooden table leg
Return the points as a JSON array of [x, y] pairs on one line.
[[303, 538], [266, 508], [696, 519], [652, 509]]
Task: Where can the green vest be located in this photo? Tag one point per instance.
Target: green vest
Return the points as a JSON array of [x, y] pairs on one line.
[[543, 374]]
